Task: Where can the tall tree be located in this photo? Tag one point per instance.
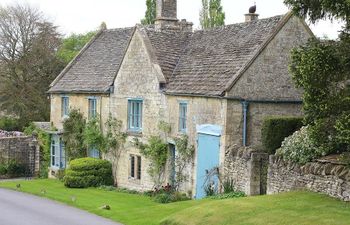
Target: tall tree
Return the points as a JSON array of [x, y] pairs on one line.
[[150, 15], [212, 14], [72, 45], [322, 69], [28, 45]]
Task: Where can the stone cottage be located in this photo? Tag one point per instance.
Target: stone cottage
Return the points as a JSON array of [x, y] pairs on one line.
[[214, 85]]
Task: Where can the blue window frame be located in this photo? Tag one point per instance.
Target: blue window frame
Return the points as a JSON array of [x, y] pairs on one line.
[[92, 107], [183, 116], [58, 155], [65, 106], [135, 115]]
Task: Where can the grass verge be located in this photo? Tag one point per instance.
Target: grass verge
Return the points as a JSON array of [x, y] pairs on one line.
[[299, 208]]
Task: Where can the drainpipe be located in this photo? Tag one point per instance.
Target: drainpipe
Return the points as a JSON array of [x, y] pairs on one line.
[[245, 105]]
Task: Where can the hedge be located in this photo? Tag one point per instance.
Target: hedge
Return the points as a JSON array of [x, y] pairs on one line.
[[276, 129], [88, 172]]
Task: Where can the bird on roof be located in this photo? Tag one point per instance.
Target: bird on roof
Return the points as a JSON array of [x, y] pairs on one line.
[[253, 8]]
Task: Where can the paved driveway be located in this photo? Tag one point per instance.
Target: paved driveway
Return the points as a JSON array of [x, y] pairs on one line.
[[17, 208]]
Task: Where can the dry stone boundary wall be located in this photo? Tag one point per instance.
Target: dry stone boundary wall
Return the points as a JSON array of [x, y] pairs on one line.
[[329, 178], [24, 150]]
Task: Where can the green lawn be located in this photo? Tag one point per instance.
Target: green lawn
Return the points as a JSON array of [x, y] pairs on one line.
[[291, 208]]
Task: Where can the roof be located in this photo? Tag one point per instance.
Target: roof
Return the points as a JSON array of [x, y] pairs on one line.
[[213, 57], [95, 68], [168, 47], [205, 62]]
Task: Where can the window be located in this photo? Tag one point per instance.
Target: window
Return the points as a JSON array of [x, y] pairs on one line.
[[94, 153], [182, 117], [135, 115], [58, 156], [65, 106], [135, 167], [92, 107]]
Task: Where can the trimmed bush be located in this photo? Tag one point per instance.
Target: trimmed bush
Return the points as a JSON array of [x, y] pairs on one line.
[[88, 172], [276, 129]]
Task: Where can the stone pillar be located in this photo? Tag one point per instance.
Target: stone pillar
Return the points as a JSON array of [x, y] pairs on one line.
[[257, 167]]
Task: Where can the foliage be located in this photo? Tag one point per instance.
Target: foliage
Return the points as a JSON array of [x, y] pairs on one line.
[[114, 140], [150, 15], [183, 158], [275, 129], [157, 152], [322, 70], [73, 135], [28, 61], [44, 143], [300, 148], [88, 172], [12, 169], [342, 127], [166, 194], [212, 14], [72, 45], [9, 124], [210, 189], [228, 186], [321, 9], [60, 174], [228, 195], [93, 136]]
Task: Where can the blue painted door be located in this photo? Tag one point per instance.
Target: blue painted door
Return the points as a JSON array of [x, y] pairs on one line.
[[208, 152]]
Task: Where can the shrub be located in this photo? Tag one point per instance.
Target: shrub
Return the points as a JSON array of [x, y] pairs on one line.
[[15, 169], [275, 129], [3, 169], [88, 172], [168, 197], [300, 148], [228, 186], [9, 124], [235, 194]]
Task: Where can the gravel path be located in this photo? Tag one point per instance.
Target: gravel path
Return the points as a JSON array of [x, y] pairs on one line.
[[18, 208]]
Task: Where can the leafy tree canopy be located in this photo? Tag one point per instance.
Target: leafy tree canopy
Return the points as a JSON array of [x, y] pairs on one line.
[[72, 45], [321, 9], [212, 14], [322, 69], [150, 15], [28, 62]]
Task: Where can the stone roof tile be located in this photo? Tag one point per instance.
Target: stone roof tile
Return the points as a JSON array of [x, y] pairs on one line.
[[94, 70]]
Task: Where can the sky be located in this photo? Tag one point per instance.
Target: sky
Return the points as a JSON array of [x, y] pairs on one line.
[[80, 16]]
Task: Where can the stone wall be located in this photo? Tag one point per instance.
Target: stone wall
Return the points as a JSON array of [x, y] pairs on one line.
[[329, 178], [24, 150], [247, 169], [268, 76]]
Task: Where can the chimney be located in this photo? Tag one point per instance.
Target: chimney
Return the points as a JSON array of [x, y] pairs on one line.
[[166, 15], [251, 16]]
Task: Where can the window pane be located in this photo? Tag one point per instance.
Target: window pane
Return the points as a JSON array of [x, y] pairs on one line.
[[135, 115], [132, 166], [139, 167], [182, 116]]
